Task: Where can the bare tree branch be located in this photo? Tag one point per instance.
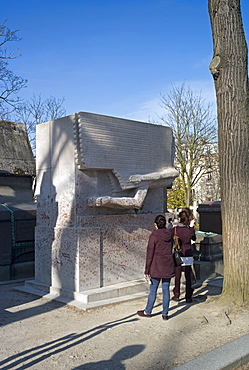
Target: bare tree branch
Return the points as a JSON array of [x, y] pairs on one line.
[[35, 111], [194, 129], [10, 84]]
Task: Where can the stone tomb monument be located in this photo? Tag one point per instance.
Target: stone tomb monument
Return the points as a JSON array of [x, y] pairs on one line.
[[100, 182]]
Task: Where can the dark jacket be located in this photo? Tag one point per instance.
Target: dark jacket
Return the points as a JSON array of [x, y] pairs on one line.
[[186, 234], [159, 258]]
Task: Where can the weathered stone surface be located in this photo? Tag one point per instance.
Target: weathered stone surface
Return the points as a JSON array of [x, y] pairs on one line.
[[15, 152], [100, 182]]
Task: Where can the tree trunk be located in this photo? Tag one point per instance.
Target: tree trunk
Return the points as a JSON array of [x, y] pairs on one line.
[[229, 68], [187, 194]]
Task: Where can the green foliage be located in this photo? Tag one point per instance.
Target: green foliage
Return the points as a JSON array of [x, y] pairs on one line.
[[176, 196]]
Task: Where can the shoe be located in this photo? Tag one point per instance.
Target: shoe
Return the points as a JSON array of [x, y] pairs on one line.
[[189, 300], [176, 299], [143, 314], [165, 317]]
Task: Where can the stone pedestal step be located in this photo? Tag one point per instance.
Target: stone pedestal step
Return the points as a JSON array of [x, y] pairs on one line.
[[113, 291], [90, 298], [93, 298]]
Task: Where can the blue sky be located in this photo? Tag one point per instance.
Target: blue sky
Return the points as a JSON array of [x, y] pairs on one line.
[[112, 57]]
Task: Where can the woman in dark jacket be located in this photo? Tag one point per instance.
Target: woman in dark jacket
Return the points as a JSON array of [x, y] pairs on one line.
[[186, 232], [159, 265]]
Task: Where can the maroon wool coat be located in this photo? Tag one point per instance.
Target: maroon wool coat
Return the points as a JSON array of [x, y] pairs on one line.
[[159, 258], [185, 234]]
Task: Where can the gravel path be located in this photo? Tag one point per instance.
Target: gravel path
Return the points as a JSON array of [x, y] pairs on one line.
[[40, 334]]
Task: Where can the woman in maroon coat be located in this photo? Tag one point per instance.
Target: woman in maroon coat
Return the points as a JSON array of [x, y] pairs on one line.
[[159, 266], [186, 232]]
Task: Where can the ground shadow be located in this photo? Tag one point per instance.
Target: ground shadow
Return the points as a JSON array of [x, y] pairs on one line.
[[115, 362], [35, 355], [11, 298], [200, 295]]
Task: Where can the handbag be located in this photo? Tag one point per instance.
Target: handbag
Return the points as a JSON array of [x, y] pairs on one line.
[[176, 250], [177, 258]]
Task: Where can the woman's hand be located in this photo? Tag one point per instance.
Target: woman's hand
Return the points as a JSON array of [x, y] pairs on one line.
[[147, 278]]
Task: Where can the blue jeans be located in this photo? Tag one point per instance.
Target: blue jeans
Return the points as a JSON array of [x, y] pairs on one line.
[[153, 292]]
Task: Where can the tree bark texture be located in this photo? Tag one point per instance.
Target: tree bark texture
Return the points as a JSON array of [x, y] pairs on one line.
[[229, 68]]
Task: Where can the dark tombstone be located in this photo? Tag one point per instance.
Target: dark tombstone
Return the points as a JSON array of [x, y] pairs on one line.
[[209, 260], [17, 208], [210, 217], [211, 248], [23, 220], [5, 244]]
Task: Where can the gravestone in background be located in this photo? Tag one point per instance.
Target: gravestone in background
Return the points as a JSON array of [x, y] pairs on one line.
[[17, 208]]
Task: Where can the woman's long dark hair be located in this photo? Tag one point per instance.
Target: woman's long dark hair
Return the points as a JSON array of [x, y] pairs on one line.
[[184, 218], [160, 221]]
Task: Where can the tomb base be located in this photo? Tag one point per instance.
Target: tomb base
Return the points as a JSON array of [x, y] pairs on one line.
[[101, 251]]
